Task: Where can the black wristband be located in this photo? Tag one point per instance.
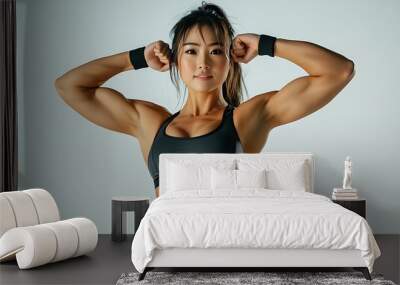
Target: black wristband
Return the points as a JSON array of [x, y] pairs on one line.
[[266, 45], [137, 58]]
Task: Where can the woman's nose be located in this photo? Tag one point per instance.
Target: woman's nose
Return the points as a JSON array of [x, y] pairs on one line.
[[203, 61], [203, 66]]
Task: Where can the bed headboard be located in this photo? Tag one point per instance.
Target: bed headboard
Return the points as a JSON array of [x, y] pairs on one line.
[[270, 156]]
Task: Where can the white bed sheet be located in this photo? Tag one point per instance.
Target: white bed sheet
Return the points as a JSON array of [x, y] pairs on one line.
[[250, 218]]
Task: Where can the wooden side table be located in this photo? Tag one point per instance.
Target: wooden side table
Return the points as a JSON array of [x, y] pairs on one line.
[[358, 206], [121, 205]]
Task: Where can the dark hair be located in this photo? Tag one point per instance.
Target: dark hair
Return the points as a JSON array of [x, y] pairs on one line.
[[215, 18]]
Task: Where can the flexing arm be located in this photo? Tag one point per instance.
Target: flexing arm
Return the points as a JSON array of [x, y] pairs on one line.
[[106, 107], [80, 89], [329, 72]]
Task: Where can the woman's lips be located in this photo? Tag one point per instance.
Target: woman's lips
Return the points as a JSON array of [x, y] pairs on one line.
[[203, 77]]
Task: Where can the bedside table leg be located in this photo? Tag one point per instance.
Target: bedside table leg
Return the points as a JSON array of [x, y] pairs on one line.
[[118, 223]]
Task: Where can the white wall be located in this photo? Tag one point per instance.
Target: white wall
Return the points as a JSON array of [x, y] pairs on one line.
[[84, 165]]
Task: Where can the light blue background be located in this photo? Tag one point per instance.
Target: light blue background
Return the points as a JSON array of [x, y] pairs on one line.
[[84, 165]]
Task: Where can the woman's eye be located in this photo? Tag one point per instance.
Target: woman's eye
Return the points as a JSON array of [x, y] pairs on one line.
[[219, 51]]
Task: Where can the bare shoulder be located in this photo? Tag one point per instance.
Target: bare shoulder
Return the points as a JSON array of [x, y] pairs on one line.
[[150, 116], [143, 106], [254, 110]]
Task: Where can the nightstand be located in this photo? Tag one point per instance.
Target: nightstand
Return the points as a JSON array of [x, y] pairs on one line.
[[358, 206], [121, 205]]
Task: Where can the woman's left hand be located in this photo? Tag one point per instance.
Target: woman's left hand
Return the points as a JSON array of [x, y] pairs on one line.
[[245, 47]]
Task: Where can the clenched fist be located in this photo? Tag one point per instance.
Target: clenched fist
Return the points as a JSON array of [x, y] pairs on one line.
[[245, 47], [158, 55]]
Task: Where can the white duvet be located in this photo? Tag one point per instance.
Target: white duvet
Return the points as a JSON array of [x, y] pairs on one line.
[[250, 218]]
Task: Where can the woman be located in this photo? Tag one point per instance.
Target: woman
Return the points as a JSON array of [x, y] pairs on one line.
[[207, 57]]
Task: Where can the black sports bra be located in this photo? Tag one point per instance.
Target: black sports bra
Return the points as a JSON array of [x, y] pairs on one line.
[[223, 139]]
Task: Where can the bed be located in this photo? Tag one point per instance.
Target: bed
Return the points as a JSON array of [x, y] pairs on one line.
[[248, 210]]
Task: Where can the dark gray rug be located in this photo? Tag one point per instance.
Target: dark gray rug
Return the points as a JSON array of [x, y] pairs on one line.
[[229, 278]]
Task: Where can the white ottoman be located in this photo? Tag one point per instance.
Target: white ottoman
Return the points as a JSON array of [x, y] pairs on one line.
[[31, 231]]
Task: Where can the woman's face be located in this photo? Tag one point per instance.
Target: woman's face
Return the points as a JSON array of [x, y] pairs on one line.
[[201, 54]]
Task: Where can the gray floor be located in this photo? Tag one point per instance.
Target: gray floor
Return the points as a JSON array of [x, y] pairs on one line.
[[110, 259]]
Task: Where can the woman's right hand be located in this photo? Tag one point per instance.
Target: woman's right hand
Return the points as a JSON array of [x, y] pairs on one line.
[[157, 55]]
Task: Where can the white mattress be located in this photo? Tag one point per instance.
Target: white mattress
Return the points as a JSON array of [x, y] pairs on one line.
[[250, 218]]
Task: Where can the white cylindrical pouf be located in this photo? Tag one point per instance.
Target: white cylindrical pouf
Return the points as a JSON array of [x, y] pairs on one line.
[[37, 245], [7, 218], [87, 233], [67, 239]]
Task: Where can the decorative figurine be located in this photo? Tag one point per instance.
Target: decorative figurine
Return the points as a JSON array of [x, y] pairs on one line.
[[347, 173]]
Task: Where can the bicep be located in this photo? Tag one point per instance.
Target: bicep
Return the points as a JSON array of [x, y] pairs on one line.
[[105, 107], [302, 96]]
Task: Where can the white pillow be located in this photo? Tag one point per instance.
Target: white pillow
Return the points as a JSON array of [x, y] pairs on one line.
[[236, 179], [251, 178], [223, 179], [185, 175], [282, 174]]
